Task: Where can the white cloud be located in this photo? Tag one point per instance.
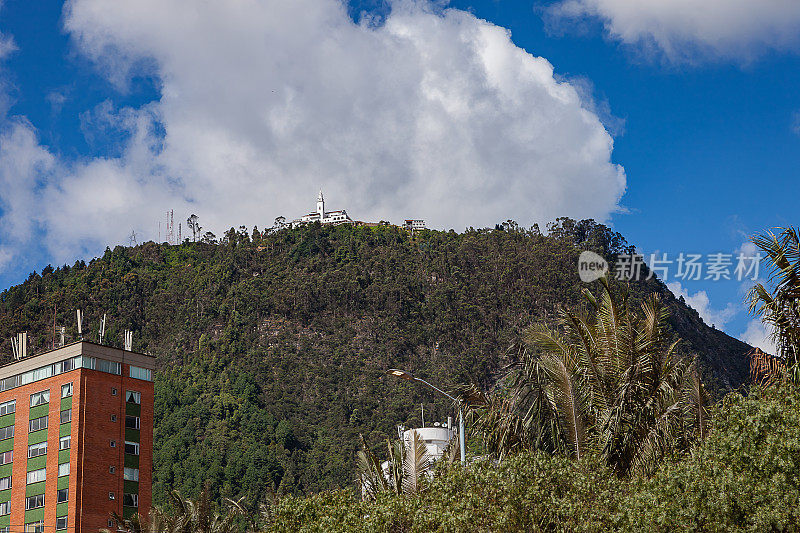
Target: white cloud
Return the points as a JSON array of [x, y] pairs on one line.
[[436, 115], [687, 30], [700, 302], [757, 334]]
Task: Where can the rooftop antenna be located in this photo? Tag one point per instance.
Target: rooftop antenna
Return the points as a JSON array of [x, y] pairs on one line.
[[180, 240], [128, 339], [102, 328], [80, 323], [20, 345], [54, 325]]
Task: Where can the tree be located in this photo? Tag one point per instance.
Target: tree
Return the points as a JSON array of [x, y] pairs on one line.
[[194, 225], [612, 385], [779, 307], [188, 516], [409, 461]]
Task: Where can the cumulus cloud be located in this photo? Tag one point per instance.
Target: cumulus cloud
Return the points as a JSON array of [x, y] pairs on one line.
[[688, 30], [700, 302], [758, 334], [431, 114]]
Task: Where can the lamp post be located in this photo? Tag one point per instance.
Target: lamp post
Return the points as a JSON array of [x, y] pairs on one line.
[[402, 374]]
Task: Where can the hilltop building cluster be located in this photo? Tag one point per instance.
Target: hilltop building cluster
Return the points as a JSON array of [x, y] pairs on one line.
[[335, 218]]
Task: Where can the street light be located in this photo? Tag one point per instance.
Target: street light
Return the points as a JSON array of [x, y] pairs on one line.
[[402, 374]]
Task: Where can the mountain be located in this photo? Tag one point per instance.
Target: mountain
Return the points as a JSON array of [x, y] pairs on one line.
[[272, 346]]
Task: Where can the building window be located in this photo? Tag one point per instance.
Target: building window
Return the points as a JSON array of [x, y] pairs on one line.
[[131, 474], [7, 408], [37, 423], [66, 390], [133, 397], [5, 529], [132, 422], [112, 469], [5, 483], [130, 500], [65, 443], [140, 373], [132, 448], [6, 432], [113, 444], [61, 523], [35, 476], [66, 416], [113, 418], [63, 469], [111, 496], [34, 502], [39, 398], [113, 391], [35, 527], [62, 495], [35, 450], [6, 457], [5, 508]]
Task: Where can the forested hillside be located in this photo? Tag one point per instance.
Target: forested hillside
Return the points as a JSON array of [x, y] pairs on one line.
[[272, 345]]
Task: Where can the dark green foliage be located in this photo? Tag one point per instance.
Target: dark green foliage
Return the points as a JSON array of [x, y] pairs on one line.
[[743, 477], [271, 348]]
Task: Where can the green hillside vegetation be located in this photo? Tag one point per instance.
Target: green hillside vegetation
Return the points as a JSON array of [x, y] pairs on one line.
[[271, 346], [743, 477]]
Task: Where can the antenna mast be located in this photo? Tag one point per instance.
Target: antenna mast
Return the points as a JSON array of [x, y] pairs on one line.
[[102, 328]]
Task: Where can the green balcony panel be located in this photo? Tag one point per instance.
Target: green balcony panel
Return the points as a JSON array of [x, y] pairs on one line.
[[34, 514], [128, 512], [5, 470], [63, 482], [131, 487], [37, 462], [37, 436], [7, 420], [39, 410], [131, 461], [63, 456], [66, 403], [132, 435], [65, 429], [5, 495], [5, 520], [35, 488], [7, 445], [62, 509], [133, 409]]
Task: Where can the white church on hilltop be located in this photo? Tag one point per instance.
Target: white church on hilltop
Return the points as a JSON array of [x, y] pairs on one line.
[[322, 216]]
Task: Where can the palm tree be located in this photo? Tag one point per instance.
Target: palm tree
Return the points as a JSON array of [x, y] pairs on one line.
[[188, 516], [612, 385], [780, 307], [409, 461]]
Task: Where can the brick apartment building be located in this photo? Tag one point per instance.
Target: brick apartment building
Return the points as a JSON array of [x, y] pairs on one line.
[[76, 433]]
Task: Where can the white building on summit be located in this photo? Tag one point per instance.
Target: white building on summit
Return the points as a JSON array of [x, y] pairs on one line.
[[322, 216]]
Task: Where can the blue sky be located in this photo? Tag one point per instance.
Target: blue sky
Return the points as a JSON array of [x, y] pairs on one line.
[[691, 142]]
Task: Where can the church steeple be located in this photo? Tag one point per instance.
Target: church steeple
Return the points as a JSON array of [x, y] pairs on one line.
[[321, 206]]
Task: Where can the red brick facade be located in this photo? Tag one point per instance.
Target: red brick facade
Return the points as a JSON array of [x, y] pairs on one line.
[[96, 469]]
